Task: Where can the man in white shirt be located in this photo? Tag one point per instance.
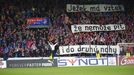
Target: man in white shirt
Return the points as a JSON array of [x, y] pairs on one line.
[[52, 46]]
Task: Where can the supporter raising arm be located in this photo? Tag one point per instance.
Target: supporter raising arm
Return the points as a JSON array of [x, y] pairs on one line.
[[52, 47]]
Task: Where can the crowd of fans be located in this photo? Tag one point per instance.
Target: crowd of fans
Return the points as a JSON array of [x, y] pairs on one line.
[[106, 38], [18, 41]]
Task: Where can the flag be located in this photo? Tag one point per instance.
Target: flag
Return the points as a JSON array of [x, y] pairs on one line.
[[38, 22]]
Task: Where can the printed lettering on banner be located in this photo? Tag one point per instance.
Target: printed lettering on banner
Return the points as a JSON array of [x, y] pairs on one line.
[[127, 61], [94, 8], [63, 62], [103, 49], [3, 64], [96, 27]]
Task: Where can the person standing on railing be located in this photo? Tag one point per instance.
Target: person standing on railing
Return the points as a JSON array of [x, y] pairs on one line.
[[52, 47], [5, 52], [98, 55], [128, 52]]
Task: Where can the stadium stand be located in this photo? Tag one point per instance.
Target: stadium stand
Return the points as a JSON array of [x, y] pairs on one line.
[[18, 41]]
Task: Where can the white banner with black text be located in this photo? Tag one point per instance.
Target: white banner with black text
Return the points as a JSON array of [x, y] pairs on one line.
[[74, 49], [96, 27], [94, 8], [3, 64], [92, 61]]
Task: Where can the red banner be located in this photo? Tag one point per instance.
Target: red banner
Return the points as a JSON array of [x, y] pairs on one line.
[[126, 61]]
